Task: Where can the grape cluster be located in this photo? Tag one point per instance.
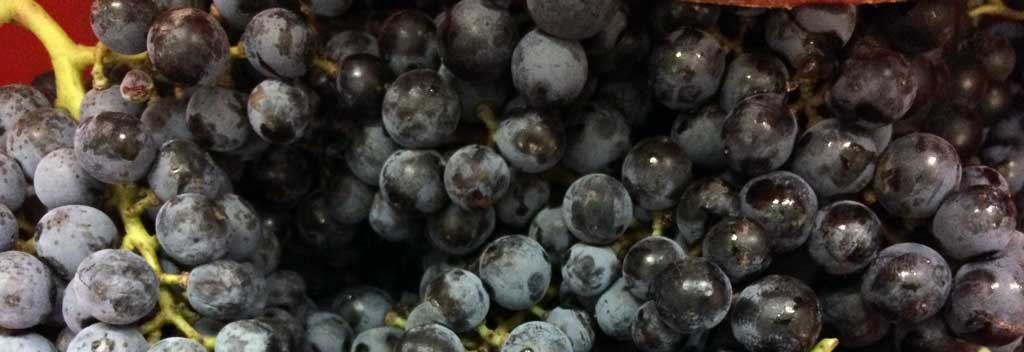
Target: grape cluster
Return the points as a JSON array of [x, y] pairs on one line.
[[520, 175]]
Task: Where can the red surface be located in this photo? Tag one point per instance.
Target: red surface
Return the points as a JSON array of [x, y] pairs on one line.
[[21, 55]]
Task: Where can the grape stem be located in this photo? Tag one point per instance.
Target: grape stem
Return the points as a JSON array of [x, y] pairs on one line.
[[394, 319], [997, 8], [486, 114], [826, 345], [26, 228]]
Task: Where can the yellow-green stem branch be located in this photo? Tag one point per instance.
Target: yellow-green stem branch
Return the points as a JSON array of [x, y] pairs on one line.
[[826, 345], [997, 8]]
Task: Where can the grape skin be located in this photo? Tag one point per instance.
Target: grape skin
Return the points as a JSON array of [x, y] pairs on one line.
[[758, 136], [115, 286], [589, 270], [777, 313], [59, 181], [548, 229], [616, 310], [984, 307], [655, 172], [108, 157], [412, 180], [645, 260], [66, 235], [369, 148], [326, 332], [381, 339], [98, 101], [29, 342], [432, 337], [279, 112], [526, 196], [915, 173], [459, 231], [649, 332], [478, 39], [278, 43], [782, 203], [740, 247], [569, 19], [537, 336], [225, 290], [548, 71], [704, 203], [248, 335], [597, 209], [363, 307], [216, 118], [835, 159], [692, 294], [104, 337], [700, 136], [460, 297], [475, 177], [188, 46], [531, 140], [975, 221], [420, 109], [192, 229], [122, 24], [12, 192], [844, 237], [686, 68], [16, 100], [516, 271], [38, 133], [750, 74], [577, 325], [177, 344], [25, 282], [845, 310], [907, 282], [183, 167], [409, 41], [8, 229], [596, 135]]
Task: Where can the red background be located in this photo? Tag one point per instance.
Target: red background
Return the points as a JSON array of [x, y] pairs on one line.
[[22, 57]]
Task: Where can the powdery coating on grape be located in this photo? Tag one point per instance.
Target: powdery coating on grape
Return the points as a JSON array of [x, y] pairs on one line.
[[700, 136], [28, 342], [985, 305], [248, 336], [278, 43], [616, 310], [1008, 159], [177, 344], [188, 46], [758, 135], [116, 286], [477, 39], [349, 199], [192, 229], [8, 229], [25, 285], [223, 289], [571, 19], [425, 314], [285, 288], [288, 329], [12, 182], [67, 235], [459, 231], [343, 44], [597, 209], [409, 41], [216, 118], [740, 247], [475, 94], [164, 120], [835, 159], [363, 307], [703, 203], [981, 175], [874, 90], [413, 180], [907, 282], [183, 167], [61, 181], [632, 97], [596, 135], [844, 237], [845, 311], [692, 294], [750, 74], [475, 176], [531, 140], [36, 134], [392, 224], [326, 332], [777, 313], [655, 172], [516, 270], [267, 255], [18, 99], [651, 334], [837, 21], [645, 260], [782, 203], [420, 109], [589, 270], [537, 336], [98, 101], [784, 36], [112, 338], [975, 221], [577, 325], [548, 229], [548, 71], [381, 339], [243, 225], [914, 175], [279, 112], [686, 68], [460, 297], [526, 196], [114, 148], [369, 147], [121, 24], [931, 335], [429, 338]]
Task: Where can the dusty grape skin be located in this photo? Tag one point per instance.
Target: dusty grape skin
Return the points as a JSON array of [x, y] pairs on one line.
[[704, 203], [597, 209], [279, 112], [914, 175], [548, 229], [243, 225], [116, 286], [107, 156], [615, 311], [177, 344], [874, 90], [8, 229], [700, 136], [571, 20], [103, 337], [188, 46], [60, 181], [837, 21], [548, 71], [526, 196], [25, 283], [758, 135], [537, 336], [381, 339], [1008, 159], [326, 332], [68, 234], [975, 221], [183, 167], [782, 203], [349, 199], [686, 68], [645, 260], [409, 41], [985, 306], [413, 180], [98, 101], [740, 247], [278, 43], [478, 39], [420, 109], [248, 335], [633, 97], [516, 270], [907, 282], [392, 224], [12, 183], [458, 231], [363, 307], [475, 95], [425, 314], [655, 172], [783, 35], [776, 313], [475, 177], [121, 24], [981, 175], [845, 310], [27, 342], [192, 229], [596, 135], [36, 134], [577, 325], [835, 159], [692, 294], [164, 120], [589, 270], [225, 290], [531, 140], [216, 118], [749, 74], [285, 288], [844, 237], [651, 334], [460, 297], [369, 148], [429, 338], [16, 100]]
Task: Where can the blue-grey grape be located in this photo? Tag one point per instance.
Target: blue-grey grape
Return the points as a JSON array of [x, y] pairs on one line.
[[777, 313], [249, 336], [59, 181], [369, 147], [873, 90], [476, 176], [165, 119], [177, 344], [216, 118], [121, 24], [392, 224], [413, 180], [243, 225], [278, 43], [759, 135], [975, 221], [68, 234], [409, 41], [526, 196], [752, 73], [645, 260], [460, 297], [914, 175], [225, 289], [27, 342], [429, 338], [114, 148], [597, 209], [115, 286], [692, 294], [596, 135], [577, 325], [981, 175], [326, 332], [363, 307], [420, 109], [616, 310], [113, 338], [25, 283], [192, 229], [704, 203], [548, 71], [548, 229], [16, 100], [12, 183], [183, 167], [537, 336], [571, 19], [98, 101], [8, 229], [516, 270], [655, 172], [349, 199], [686, 68], [279, 112], [589, 270], [477, 40], [380, 339], [740, 247], [38, 133], [700, 136], [531, 140], [343, 44], [782, 203]]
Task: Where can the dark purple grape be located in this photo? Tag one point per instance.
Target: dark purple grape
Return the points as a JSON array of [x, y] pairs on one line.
[[700, 136], [782, 203], [686, 68], [460, 297], [844, 237], [476, 177], [421, 110], [996, 53], [114, 148], [931, 335], [165, 119], [920, 27], [459, 231], [655, 172], [750, 74], [874, 90], [121, 24], [740, 247], [618, 51], [908, 282], [352, 42], [570, 19], [985, 305], [188, 46], [192, 229], [526, 196], [596, 135], [475, 95], [631, 96], [651, 334], [392, 224], [835, 21], [362, 82], [645, 260], [975, 221], [409, 41], [758, 135], [349, 199], [531, 140], [981, 175], [845, 311], [413, 180], [216, 118], [996, 102], [835, 158], [704, 203], [962, 128], [279, 112], [915, 173], [691, 295], [776, 313], [477, 39], [597, 209], [238, 13], [279, 43], [548, 71], [801, 49], [38, 133], [330, 8], [369, 147], [282, 175], [968, 81], [669, 15]]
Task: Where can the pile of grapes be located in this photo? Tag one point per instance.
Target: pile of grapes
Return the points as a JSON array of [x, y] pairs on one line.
[[517, 175]]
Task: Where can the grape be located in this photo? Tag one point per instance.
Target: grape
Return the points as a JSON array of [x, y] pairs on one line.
[[16, 100], [758, 136], [409, 41], [103, 337], [60, 181], [874, 90], [975, 221], [317, 230], [475, 95], [960, 127], [225, 289], [420, 109], [548, 229], [984, 305], [362, 82], [188, 46], [326, 332], [981, 175], [243, 225], [782, 203], [267, 255], [669, 15], [577, 326], [216, 119], [164, 120], [703, 203], [114, 148], [686, 68], [907, 282], [278, 43], [412, 180], [183, 167], [740, 247], [691, 294], [429, 338], [349, 199], [650, 334], [597, 209], [12, 192], [526, 196], [777, 313], [645, 260], [844, 237], [537, 336], [516, 270], [801, 49], [836, 21], [36, 134], [285, 288], [286, 328], [25, 285], [392, 224], [547, 70], [165, 5], [996, 102], [476, 177], [177, 344], [753, 73], [382, 339], [835, 159], [844, 310], [531, 140], [632, 97], [460, 297], [596, 135], [459, 231], [931, 335], [369, 148], [28, 342], [425, 314], [920, 27], [98, 101], [700, 136], [1008, 159], [192, 229], [279, 112], [121, 24], [115, 286], [477, 40], [249, 336], [8, 229], [344, 44], [655, 172], [616, 310], [589, 270], [915, 173], [68, 234], [570, 19], [363, 307]]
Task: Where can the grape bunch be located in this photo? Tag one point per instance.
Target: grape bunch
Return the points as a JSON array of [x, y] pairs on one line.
[[517, 175]]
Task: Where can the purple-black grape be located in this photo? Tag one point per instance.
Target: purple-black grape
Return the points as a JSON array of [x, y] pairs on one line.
[[740, 247], [165, 119], [700, 136], [548, 71], [668, 15], [975, 221], [420, 109], [477, 40], [704, 203], [931, 335], [569, 19], [845, 311], [655, 172], [597, 209], [750, 74], [835, 21], [531, 140], [758, 135], [121, 24], [596, 135], [686, 68], [874, 90], [349, 199], [782, 203], [216, 118], [651, 334], [915, 173], [369, 147], [114, 148], [188, 46], [907, 282], [456, 230], [362, 82], [844, 237], [526, 196], [279, 112], [692, 294], [475, 177], [645, 260], [776, 313], [279, 43], [981, 175], [516, 271], [985, 305], [409, 41], [835, 158], [413, 180], [343, 44], [183, 167]]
